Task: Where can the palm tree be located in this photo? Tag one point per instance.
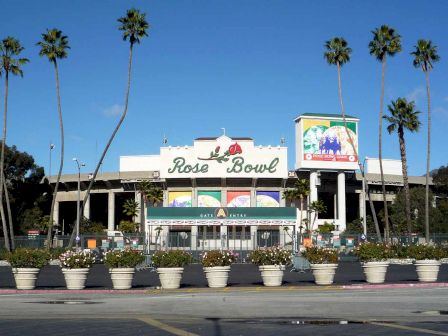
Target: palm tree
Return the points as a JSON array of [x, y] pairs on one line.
[[299, 192], [425, 55], [54, 46], [134, 26], [9, 63], [315, 208], [130, 208], [338, 53], [403, 116], [385, 43], [152, 194]]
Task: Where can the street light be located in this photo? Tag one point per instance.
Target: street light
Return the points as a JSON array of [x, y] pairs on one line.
[[79, 165], [52, 145], [364, 219]]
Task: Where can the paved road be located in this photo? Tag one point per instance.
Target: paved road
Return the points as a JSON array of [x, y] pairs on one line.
[[298, 311], [240, 275]]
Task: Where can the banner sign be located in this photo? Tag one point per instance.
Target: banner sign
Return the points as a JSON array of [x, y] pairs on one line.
[[222, 213], [327, 140], [223, 157]]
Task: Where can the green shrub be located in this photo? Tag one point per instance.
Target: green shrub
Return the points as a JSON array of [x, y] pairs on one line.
[[270, 256], [218, 258], [127, 258], [76, 259], [371, 252], [426, 252], [398, 251], [127, 226], [28, 258], [171, 258], [321, 255], [55, 252]]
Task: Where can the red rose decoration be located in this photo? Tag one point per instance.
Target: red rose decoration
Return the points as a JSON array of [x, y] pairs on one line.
[[217, 149], [235, 149]]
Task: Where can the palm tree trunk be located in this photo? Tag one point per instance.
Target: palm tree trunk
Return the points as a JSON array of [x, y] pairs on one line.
[[404, 168], [100, 162], [61, 164], [428, 159], [2, 162], [301, 219], [361, 168], [8, 209], [380, 154]]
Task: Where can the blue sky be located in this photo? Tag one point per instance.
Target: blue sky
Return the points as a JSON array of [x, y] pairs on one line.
[[250, 66]]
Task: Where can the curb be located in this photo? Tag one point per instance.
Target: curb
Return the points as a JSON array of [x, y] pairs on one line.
[[157, 290]]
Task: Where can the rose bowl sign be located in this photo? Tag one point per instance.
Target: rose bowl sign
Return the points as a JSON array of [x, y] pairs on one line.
[[223, 157]]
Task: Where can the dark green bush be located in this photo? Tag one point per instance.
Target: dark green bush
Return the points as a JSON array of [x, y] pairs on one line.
[[171, 258]]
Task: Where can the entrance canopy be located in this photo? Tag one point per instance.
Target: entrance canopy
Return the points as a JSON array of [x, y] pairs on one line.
[[221, 216]]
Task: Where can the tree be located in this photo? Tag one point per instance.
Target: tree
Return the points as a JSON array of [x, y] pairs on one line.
[[315, 208], [152, 194], [130, 208], [438, 215], [440, 179], [338, 53], [134, 27], [403, 116], [385, 43], [54, 46], [10, 48], [425, 55], [299, 192]]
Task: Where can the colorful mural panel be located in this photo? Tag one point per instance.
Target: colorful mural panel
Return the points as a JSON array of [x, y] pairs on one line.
[[209, 199], [327, 140], [238, 199], [268, 199], [179, 199]]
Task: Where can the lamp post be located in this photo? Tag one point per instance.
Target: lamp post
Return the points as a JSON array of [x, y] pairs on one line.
[[79, 165], [52, 145], [364, 219]]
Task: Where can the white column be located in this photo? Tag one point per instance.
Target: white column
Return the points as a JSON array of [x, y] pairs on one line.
[[313, 187], [86, 212], [313, 197], [341, 201], [56, 214], [111, 211]]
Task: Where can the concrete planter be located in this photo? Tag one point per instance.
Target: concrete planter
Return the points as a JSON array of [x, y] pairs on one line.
[[375, 271], [170, 277], [25, 277], [272, 275], [427, 270], [217, 276], [75, 278], [324, 273], [122, 277]]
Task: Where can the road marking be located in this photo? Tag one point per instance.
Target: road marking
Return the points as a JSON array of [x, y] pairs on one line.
[[166, 327], [397, 326]]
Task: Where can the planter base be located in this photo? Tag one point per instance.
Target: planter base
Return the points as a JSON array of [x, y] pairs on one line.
[[217, 276], [324, 273], [25, 277], [427, 270], [122, 277], [375, 271], [170, 277], [272, 275], [75, 278]]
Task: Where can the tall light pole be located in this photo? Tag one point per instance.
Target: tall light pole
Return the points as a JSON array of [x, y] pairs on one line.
[[79, 165], [364, 219], [52, 145]]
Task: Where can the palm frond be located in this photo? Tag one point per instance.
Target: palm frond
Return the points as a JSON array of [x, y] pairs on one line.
[[134, 26]]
